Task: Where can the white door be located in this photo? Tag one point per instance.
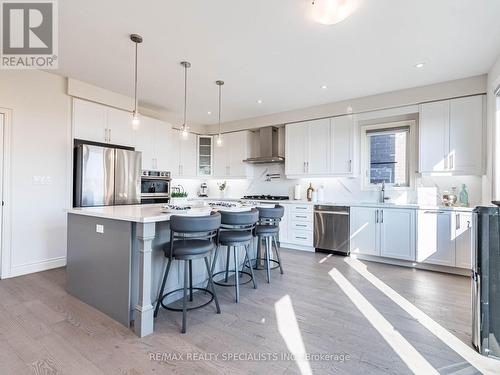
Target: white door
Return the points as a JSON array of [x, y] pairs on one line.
[[434, 141], [397, 234], [342, 148], [163, 146], [119, 124], [144, 142], [435, 242], [466, 135], [319, 147], [463, 236], [364, 231], [188, 155], [89, 121], [296, 141]]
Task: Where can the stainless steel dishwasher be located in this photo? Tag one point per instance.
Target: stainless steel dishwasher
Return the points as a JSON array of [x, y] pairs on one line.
[[331, 228]]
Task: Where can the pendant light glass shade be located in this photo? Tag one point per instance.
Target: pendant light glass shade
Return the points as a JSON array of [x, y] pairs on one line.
[[218, 140], [184, 127], [136, 120]]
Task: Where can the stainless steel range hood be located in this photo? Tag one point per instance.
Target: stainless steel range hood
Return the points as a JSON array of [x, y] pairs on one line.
[[269, 147]]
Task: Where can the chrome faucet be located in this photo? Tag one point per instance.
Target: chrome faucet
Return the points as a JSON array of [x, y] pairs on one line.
[[383, 198]]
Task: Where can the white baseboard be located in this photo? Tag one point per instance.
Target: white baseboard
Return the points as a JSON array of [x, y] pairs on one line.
[[43, 265], [297, 247]]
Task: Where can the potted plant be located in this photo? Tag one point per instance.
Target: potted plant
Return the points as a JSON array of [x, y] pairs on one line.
[[178, 198], [222, 188]]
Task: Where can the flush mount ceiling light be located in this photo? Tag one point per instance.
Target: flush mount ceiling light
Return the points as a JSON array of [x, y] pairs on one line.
[[330, 12], [324, 87], [136, 39], [419, 65], [219, 136], [259, 101], [209, 113], [184, 127]]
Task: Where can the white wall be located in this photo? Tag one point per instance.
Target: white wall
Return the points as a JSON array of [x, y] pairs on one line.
[[491, 183], [438, 91], [39, 147]]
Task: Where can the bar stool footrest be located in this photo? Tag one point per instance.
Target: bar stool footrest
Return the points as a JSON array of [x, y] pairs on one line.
[[255, 267], [167, 307], [219, 283]]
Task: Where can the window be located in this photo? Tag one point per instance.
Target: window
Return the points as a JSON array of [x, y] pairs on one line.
[[387, 154]]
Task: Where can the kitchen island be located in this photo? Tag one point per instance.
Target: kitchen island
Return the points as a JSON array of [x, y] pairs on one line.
[[115, 260]]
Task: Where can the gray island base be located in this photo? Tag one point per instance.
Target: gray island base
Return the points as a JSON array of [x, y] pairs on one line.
[[115, 262]]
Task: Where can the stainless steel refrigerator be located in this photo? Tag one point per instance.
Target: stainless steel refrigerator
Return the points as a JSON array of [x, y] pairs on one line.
[[486, 281], [106, 176]]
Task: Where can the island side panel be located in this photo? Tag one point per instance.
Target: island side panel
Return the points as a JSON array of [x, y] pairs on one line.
[[99, 264]]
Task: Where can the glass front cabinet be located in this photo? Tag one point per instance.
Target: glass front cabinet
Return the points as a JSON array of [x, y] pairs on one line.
[[205, 155]]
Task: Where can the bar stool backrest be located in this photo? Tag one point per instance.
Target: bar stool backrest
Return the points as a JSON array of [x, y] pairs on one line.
[[240, 221], [194, 227], [270, 215]]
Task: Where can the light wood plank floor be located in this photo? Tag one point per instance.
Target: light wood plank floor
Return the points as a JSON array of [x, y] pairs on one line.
[[43, 330]]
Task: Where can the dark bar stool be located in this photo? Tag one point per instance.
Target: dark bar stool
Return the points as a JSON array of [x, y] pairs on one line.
[[237, 230], [268, 229], [191, 237]]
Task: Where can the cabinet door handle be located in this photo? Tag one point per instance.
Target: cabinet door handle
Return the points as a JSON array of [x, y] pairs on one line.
[[307, 167], [105, 134], [350, 165], [376, 216], [109, 135], [434, 212], [457, 221], [382, 216], [304, 167]]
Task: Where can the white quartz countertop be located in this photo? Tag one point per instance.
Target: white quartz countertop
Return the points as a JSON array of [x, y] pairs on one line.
[[141, 213], [414, 206]]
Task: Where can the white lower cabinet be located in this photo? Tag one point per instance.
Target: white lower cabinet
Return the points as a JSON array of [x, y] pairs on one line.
[[383, 232], [364, 233], [444, 238], [397, 234], [298, 220]]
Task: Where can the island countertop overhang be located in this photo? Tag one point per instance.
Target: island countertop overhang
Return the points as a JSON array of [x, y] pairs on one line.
[[140, 213]]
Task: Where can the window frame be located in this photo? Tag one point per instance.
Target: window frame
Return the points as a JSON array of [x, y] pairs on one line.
[[411, 154]]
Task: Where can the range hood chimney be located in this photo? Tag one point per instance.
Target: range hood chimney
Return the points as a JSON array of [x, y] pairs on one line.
[[269, 147]]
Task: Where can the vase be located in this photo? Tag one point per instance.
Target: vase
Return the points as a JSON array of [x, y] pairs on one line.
[[179, 201]]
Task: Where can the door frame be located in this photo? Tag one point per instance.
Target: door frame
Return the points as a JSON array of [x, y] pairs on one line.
[[6, 233]]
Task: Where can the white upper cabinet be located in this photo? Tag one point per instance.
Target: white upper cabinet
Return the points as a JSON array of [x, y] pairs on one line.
[[320, 147], [188, 155], [153, 138], [466, 135], [205, 155], [120, 128], [100, 123], [342, 135], [89, 121], [449, 130], [228, 158], [296, 148]]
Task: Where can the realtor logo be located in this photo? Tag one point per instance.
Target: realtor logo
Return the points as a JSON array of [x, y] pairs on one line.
[[29, 34]]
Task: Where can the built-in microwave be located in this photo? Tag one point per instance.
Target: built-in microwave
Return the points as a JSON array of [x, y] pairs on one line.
[[155, 187]]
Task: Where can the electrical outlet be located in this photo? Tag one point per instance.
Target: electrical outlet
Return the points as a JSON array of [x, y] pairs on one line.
[[99, 228]]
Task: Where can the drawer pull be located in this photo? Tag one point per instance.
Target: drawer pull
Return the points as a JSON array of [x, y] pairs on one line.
[[301, 216], [300, 225], [302, 238], [301, 208]]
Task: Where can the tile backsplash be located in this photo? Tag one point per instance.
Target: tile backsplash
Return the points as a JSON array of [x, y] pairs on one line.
[[337, 189]]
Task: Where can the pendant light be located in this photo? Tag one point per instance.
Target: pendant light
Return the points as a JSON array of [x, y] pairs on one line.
[[136, 39], [184, 127], [219, 136]]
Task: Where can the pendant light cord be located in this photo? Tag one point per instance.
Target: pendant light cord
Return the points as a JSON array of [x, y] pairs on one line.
[[185, 94], [135, 81], [220, 96]]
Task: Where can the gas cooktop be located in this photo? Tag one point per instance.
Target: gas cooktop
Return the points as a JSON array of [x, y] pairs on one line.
[[267, 197]]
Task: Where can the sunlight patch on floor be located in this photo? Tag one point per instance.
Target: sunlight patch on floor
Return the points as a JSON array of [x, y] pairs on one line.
[[483, 364], [408, 354], [322, 260], [289, 330]]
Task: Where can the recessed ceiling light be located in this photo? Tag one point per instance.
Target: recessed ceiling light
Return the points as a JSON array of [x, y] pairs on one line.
[[419, 65], [209, 113], [324, 87], [259, 101]]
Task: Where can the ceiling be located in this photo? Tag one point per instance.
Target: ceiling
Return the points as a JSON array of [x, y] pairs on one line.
[[272, 50]]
